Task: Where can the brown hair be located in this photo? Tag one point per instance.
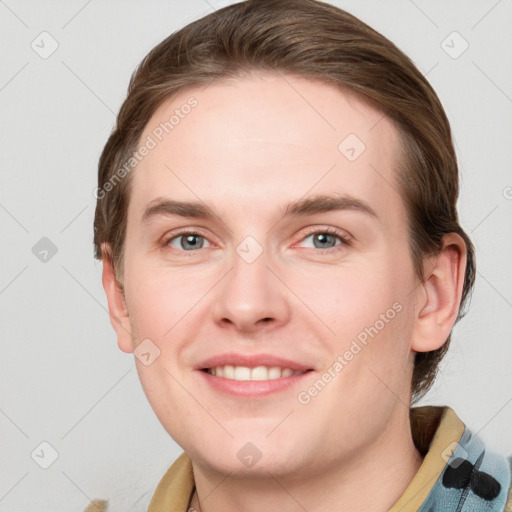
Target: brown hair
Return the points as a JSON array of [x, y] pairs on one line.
[[317, 41]]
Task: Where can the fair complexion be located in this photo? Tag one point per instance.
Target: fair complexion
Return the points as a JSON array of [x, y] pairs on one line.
[[248, 149]]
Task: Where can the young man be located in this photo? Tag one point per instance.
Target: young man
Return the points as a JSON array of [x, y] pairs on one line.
[[277, 222]]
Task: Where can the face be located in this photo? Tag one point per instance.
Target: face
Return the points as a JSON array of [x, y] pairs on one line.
[[266, 272]]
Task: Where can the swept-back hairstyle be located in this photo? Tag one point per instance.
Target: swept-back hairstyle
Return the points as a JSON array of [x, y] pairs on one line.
[[313, 40]]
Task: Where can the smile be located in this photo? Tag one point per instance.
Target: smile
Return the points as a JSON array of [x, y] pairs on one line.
[[244, 373]]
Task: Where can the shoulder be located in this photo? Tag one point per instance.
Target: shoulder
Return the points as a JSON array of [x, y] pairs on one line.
[[172, 493], [97, 506]]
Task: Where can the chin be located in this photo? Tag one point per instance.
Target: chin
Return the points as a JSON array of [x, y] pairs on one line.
[[251, 455]]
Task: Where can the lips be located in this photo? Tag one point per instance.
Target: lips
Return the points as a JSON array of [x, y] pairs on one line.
[[252, 361], [252, 376]]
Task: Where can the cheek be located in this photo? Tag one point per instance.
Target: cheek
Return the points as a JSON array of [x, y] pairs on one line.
[[367, 309], [150, 311], [159, 301], [348, 300]]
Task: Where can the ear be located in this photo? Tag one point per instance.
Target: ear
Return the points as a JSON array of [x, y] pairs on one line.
[[119, 317], [439, 295]]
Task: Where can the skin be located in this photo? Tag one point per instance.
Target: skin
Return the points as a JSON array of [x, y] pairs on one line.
[[249, 147]]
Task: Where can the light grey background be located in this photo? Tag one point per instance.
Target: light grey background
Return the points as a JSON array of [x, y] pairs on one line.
[[63, 380]]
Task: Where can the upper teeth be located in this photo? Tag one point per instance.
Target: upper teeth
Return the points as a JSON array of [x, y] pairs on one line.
[[257, 373]]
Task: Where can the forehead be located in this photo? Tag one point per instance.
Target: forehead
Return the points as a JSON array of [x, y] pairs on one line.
[[263, 140]]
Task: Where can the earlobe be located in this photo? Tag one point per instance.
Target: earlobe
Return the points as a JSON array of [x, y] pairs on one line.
[[119, 316], [441, 294]]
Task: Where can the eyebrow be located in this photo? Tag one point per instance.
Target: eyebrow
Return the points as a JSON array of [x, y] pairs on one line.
[[162, 206]]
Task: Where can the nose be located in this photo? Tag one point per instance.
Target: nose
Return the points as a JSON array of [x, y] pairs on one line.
[[251, 296]]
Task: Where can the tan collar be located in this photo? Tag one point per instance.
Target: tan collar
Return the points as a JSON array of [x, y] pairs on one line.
[[175, 488], [434, 429]]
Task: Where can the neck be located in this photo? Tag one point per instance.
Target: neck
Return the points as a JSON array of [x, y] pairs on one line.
[[373, 480]]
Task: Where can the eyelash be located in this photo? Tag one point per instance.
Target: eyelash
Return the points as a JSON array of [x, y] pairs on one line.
[[345, 241]]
